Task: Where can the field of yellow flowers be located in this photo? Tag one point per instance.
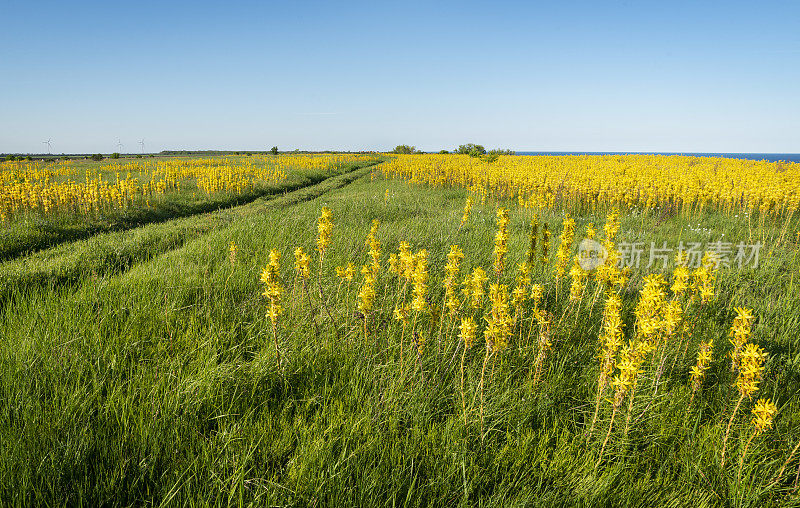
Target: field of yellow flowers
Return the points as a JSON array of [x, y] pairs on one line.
[[428, 330], [43, 202]]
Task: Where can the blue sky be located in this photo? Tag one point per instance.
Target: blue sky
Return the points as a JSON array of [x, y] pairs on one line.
[[605, 76]]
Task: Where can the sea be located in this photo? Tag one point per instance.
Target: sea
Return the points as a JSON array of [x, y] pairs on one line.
[[772, 157]]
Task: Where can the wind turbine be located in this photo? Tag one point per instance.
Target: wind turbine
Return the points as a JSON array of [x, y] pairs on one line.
[[142, 143], [49, 148], [119, 145]]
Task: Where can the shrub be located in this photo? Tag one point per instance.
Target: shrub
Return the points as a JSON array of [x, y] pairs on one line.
[[97, 157], [404, 149], [115, 155], [471, 149]]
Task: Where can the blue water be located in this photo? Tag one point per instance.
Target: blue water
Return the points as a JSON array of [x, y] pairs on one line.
[[772, 157]]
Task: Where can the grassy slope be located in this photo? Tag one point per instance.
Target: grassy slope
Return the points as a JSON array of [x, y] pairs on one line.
[[159, 383]]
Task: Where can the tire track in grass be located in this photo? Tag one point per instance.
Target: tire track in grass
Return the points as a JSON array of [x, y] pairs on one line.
[[116, 252]]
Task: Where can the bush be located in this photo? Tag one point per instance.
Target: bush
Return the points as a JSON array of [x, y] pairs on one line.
[[471, 149], [274, 150], [115, 155], [97, 157], [404, 149], [443, 151]]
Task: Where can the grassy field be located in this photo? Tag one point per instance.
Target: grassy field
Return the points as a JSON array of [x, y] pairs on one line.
[[138, 364]]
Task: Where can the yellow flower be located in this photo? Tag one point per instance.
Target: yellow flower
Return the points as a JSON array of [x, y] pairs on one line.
[[473, 287], [763, 412], [467, 328], [232, 250], [401, 313], [467, 208], [537, 292], [451, 272], [698, 371], [420, 281], [501, 241], [740, 333], [273, 289], [324, 227], [366, 295], [751, 369], [565, 246], [498, 322], [302, 263]]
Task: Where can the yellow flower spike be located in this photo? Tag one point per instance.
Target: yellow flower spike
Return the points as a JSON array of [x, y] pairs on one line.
[[537, 293], [454, 258], [394, 264], [273, 290], [740, 333], [501, 241], [467, 208], [565, 246], [763, 412], [302, 263], [324, 228], [474, 287], [610, 341], [420, 281], [232, 251], [349, 272], [498, 321], [467, 332]]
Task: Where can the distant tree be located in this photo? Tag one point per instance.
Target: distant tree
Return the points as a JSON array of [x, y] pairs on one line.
[[405, 149], [11, 157], [97, 157], [501, 151], [28, 158], [443, 151], [274, 150], [115, 155], [471, 149]]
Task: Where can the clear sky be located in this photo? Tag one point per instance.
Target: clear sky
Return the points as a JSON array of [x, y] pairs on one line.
[[559, 75]]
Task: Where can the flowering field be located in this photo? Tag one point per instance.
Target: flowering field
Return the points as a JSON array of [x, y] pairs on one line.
[[430, 330], [44, 203]]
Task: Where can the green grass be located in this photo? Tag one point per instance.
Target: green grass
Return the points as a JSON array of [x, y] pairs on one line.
[[153, 380]]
